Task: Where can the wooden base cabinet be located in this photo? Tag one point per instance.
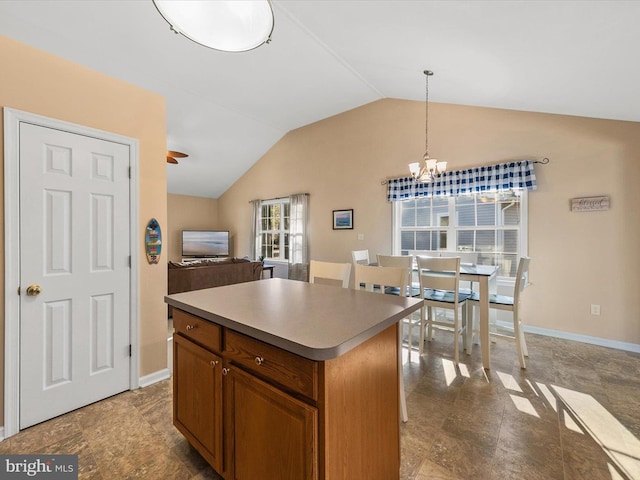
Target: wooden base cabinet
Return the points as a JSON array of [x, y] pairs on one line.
[[255, 411], [197, 402], [271, 434]]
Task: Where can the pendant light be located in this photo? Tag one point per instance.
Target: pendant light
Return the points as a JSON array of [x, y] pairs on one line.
[[431, 167]]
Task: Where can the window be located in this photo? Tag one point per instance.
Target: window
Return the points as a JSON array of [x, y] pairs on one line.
[[487, 228], [274, 229]]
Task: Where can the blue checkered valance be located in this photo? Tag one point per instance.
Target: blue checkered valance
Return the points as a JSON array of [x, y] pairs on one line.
[[490, 178]]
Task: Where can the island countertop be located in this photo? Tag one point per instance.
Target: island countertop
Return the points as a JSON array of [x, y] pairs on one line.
[[318, 322]]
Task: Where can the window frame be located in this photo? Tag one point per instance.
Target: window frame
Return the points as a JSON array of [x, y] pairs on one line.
[[452, 228], [282, 231]]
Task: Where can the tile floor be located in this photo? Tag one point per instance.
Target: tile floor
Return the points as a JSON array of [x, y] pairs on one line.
[[573, 414]]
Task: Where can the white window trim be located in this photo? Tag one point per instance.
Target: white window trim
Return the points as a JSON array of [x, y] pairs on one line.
[[524, 231], [274, 201]]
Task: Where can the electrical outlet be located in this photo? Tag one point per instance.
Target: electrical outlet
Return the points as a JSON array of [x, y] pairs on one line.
[[595, 309], [361, 236]]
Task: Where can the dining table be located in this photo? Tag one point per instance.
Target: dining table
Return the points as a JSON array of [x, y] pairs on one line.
[[484, 275]]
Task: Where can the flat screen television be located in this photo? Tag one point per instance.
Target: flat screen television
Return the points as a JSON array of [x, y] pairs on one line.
[[205, 243]]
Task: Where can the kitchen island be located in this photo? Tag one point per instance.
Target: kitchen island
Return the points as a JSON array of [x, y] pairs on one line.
[[279, 379]]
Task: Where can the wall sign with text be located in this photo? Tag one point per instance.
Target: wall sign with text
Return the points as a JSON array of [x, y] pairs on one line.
[[590, 204]]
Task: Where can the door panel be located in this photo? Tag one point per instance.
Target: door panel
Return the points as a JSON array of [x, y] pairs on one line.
[[273, 435], [74, 224]]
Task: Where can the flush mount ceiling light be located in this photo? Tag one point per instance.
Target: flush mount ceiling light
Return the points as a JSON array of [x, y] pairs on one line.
[[229, 26], [431, 167]]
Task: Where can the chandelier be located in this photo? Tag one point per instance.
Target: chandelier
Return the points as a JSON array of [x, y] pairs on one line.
[[431, 167], [229, 26]]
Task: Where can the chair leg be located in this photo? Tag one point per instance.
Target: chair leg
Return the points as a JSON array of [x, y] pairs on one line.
[[523, 342], [410, 338], [475, 336], [423, 313], [456, 337], [468, 328], [429, 325], [403, 401], [519, 338]]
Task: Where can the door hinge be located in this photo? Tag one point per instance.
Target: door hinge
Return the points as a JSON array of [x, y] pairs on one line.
[[129, 349], [19, 291], [129, 261], [129, 172]]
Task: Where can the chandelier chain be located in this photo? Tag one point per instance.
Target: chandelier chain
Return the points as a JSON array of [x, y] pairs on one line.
[[431, 167], [427, 73]]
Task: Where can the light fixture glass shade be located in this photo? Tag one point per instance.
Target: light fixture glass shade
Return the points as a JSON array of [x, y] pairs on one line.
[[414, 168], [230, 26], [441, 167]]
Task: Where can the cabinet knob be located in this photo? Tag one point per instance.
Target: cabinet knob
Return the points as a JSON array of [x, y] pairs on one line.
[[214, 363], [190, 327], [259, 360], [225, 370]]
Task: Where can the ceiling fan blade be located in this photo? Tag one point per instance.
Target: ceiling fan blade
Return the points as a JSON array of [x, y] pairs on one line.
[[171, 153], [171, 160]]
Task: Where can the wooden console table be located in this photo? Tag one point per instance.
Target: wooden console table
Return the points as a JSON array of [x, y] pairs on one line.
[[267, 268]]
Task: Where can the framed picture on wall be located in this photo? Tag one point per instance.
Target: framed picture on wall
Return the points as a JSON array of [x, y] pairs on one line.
[[343, 219]]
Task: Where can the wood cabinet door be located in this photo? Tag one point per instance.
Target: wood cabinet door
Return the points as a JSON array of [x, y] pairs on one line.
[[272, 435], [197, 394]]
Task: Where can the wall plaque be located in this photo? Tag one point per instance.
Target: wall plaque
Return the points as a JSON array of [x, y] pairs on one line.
[[590, 204], [153, 241]]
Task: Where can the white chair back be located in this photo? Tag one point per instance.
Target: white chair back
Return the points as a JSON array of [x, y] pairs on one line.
[[402, 261], [510, 304], [465, 257], [368, 277], [330, 272], [439, 286], [360, 257], [439, 273], [522, 276]]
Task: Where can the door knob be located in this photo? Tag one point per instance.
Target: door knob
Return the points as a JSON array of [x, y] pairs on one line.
[[33, 290]]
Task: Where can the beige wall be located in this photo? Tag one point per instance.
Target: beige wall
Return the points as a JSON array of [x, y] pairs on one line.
[[41, 83], [577, 258], [185, 212]]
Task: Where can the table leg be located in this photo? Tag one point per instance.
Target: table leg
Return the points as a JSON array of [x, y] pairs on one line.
[[484, 320]]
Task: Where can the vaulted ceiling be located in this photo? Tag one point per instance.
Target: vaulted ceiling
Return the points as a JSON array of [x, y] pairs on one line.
[[328, 56]]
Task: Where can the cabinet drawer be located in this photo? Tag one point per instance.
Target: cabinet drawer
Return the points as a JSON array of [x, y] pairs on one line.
[[201, 331], [287, 369]]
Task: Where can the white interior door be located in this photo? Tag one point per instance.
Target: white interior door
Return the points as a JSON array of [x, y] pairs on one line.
[[75, 256]]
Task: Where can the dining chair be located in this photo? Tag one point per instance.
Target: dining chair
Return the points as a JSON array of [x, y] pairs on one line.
[[360, 257], [465, 257], [404, 261], [440, 287], [369, 278], [330, 273], [514, 331]]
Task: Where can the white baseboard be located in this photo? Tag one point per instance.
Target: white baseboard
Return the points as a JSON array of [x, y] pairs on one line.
[[154, 378], [602, 342]]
